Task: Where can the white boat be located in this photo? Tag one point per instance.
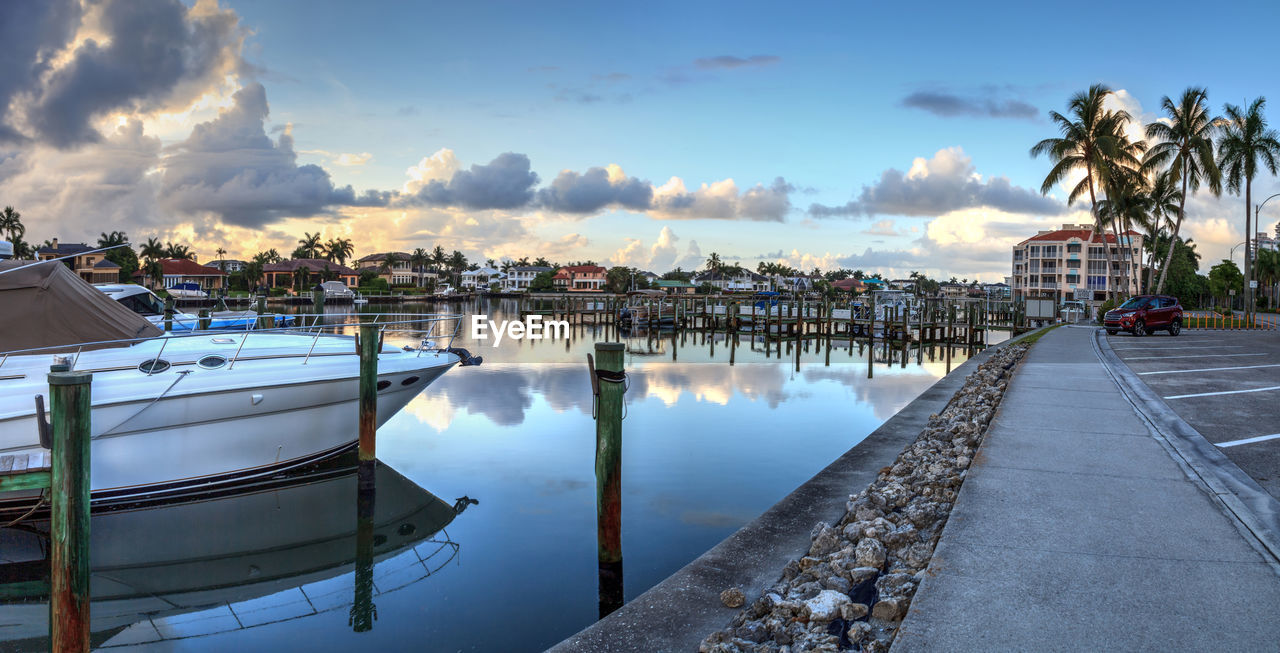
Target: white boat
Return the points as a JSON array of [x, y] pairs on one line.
[[279, 547], [336, 290], [187, 291], [175, 410], [145, 303]]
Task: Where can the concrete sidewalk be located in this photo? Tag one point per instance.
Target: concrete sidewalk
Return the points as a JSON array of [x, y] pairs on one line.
[[1077, 530]]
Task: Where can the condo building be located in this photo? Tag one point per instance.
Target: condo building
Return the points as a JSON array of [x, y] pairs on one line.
[[1071, 263]]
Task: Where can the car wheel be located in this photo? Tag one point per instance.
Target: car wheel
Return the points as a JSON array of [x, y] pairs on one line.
[[1175, 327], [1112, 332], [1139, 328]]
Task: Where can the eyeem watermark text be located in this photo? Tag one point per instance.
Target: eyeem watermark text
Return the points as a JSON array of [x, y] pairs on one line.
[[532, 327]]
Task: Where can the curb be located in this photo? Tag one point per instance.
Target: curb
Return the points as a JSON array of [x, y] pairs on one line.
[[1254, 511]]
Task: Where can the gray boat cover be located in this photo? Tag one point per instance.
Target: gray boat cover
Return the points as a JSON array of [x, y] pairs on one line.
[[48, 305]]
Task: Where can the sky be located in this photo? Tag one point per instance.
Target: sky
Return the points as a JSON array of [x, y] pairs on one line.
[[879, 136]]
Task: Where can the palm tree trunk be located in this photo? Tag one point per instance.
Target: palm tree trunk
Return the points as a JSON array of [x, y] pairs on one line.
[[1248, 258], [1097, 225], [1177, 227]]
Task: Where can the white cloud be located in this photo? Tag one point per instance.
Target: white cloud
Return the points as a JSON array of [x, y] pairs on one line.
[[437, 167]]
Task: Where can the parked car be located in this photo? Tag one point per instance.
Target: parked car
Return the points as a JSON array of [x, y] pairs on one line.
[[1143, 314]]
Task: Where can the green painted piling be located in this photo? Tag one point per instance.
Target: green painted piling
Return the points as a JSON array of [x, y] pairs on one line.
[[609, 400], [363, 611], [367, 346], [264, 321], [69, 399], [168, 314], [204, 319]]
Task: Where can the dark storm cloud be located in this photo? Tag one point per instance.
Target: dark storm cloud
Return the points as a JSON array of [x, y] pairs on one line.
[[950, 105], [944, 183], [730, 61], [592, 191], [229, 166], [29, 33], [504, 183], [157, 52]]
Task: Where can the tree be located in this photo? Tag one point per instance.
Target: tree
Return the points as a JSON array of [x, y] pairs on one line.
[[439, 257], [389, 262], [1268, 272], [677, 274], [418, 261], [618, 279], [155, 272], [222, 258], [1245, 143], [1092, 140], [122, 256], [542, 283], [181, 252], [309, 245], [252, 271], [1185, 145], [302, 278], [1163, 201], [153, 250], [1223, 278], [457, 263], [714, 263], [339, 250], [11, 224]]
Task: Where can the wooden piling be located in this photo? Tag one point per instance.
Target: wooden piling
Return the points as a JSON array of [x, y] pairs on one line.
[[367, 346], [264, 321], [204, 319], [606, 383], [69, 399], [168, 314], [363, 611]]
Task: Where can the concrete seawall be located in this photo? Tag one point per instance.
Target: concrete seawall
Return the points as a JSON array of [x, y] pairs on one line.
[[676, 614]]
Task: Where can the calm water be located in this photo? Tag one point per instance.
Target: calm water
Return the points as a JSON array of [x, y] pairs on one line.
[[706, 448]]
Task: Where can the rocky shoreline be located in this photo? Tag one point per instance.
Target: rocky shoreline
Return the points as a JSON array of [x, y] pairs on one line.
[[852, 589]]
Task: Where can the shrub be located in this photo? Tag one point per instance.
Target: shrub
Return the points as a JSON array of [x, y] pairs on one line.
[[1106, 306]]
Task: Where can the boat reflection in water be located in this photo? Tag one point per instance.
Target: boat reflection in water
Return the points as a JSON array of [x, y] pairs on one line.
[[281, 550]]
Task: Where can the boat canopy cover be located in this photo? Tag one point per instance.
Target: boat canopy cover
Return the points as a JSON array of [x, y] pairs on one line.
[[48, 305]]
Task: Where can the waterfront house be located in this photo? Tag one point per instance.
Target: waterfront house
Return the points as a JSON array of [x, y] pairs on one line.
[[400, 272], [178, 271], [86, 266], [519, 277], [580, 278], [227, 264], [737, 280], [1071, 263], [997, 291], [280, 275], [902, 284], [875, 284], [481, 278], [795, 283], [674, 286], [850, 285], [952, 290]]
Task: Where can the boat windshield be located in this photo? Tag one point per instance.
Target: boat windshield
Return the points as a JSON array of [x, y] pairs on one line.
[[1136, 302]]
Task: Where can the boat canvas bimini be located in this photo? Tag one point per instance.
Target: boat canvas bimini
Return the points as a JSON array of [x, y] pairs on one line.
[[172, 411]]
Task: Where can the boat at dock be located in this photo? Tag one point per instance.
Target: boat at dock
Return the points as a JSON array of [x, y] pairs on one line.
[[187, 291], [271, 552], [647, 307], [145, 303], [195, 409]]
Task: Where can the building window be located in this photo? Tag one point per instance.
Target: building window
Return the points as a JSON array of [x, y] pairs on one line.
[[1073, 248]]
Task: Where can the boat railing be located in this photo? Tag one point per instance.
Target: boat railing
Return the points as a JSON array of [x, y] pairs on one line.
[[434, 331]]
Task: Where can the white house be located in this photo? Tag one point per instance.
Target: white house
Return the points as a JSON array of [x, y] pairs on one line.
[[739, 281], [481, 278], [520, 276], [797, 283]]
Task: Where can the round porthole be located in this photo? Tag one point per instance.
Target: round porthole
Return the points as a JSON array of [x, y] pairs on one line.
[[383, 385], [409, 380], [406, 529], [211, 362], [153, 366]]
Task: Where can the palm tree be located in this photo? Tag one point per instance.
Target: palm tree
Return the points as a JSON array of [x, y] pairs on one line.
[[155, 272], [457, 263], [1245, 143], [310, 244], [179, 252], [252, 271], [438, 257], [11, 224], [1092, 140], [1163, 201], [222, 258], [22, 250], [1269, 273], [389, 262], [418, 260], [153, 250], [713, 262], [112, 239], [1185, 145]]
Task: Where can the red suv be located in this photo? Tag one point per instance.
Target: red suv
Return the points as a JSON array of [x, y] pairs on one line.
[[1143, 314]]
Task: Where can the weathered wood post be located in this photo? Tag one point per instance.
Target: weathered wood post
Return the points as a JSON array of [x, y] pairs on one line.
[[871, 336], [363, 611], [367, 346], [168, 314], [204, 319], [69, 399], [264, 321], [608, 382]]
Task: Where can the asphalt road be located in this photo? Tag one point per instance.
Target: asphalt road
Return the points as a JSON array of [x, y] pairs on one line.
[[1226, 384]]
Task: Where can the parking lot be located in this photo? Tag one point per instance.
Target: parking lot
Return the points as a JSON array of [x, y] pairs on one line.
[[1226, 384]]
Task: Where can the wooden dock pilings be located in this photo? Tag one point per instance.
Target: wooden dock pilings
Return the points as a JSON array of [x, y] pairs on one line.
[[608, 383]]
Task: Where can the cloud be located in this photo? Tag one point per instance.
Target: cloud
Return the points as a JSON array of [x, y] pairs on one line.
[[660, 257], [147, 56], [725, 61], [440, 166], [504, 183], [230, 167], [349, 159], [594, 190], [946, 182], [881, 228], [30, 32], [721, 200], [950, 105]]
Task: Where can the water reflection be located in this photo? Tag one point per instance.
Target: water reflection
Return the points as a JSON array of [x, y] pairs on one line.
[[279, 552]]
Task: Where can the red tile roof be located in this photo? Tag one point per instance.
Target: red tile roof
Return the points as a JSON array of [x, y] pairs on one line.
[[1062, 235], [582, 269], [189, 268]]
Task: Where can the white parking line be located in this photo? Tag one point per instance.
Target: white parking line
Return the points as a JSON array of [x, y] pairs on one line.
[[1143, 358], [1260, 438], [1193, 347], [1224, 392], [1211, 369]]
